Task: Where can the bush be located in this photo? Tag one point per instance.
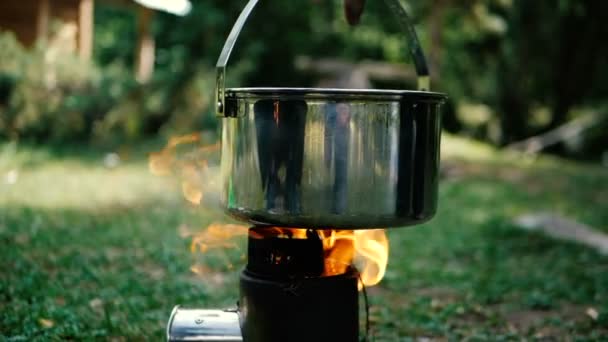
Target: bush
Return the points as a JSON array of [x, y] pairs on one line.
[[49, 93], [166, 106]]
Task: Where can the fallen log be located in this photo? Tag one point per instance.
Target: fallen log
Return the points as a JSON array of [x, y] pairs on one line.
[[567, 131], [566, 229], [380, 71]]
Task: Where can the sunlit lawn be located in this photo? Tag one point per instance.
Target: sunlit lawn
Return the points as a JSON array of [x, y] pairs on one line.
[[88, 251]]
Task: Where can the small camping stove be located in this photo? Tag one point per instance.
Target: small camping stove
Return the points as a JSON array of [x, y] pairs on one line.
[[286, 294], [315, 157]]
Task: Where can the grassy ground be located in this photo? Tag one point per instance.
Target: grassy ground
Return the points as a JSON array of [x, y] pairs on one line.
[[90, 252]]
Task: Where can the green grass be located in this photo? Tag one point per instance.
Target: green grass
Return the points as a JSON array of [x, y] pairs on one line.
[[88, 252]]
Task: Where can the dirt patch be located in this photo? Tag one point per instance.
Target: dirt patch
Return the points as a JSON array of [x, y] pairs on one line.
[[545, 323], [541, 324], [524, 320], [440, 296]]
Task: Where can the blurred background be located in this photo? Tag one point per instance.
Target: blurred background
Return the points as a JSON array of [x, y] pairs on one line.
[[111, 71], [95, 246]]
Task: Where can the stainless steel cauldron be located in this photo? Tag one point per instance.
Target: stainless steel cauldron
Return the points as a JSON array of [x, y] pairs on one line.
[[330, 158]]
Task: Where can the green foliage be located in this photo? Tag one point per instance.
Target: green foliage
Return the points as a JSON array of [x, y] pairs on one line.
[[161, 107], [512, 68], [48, 94], [51, 94], [115, 35], [521, 58]]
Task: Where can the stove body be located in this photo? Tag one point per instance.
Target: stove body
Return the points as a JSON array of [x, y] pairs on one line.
[[284, 296]]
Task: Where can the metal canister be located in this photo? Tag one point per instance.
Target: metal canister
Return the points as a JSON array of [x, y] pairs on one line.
[[198, 325]]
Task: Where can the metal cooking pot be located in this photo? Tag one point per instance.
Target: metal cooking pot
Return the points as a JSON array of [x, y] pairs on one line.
[[330, 158]]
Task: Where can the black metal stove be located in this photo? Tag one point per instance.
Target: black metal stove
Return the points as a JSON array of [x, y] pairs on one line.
[[286, 294]]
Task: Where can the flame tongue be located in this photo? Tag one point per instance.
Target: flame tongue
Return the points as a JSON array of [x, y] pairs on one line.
[[372, 249], [367, 249]]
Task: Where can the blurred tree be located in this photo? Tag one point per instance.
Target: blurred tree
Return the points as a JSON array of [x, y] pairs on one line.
[[517, 56], [512, 68]]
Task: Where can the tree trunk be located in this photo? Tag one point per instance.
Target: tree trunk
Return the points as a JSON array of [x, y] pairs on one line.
[[85, 29], [144, 66]]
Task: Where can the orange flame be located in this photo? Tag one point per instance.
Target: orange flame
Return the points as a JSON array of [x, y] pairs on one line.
[[217, 235], [191, 167], [365, 249], [216, 238]]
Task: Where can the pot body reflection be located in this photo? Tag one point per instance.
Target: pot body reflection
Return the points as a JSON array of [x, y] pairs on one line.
[[326, 158]]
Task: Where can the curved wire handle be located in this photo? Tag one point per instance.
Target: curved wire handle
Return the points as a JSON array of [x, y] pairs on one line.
[[422, 70]]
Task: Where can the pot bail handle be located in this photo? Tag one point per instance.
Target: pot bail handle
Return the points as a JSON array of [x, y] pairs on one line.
[[420, 64]]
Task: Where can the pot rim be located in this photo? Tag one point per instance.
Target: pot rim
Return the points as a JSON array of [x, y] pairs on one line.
[[334, 94]]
